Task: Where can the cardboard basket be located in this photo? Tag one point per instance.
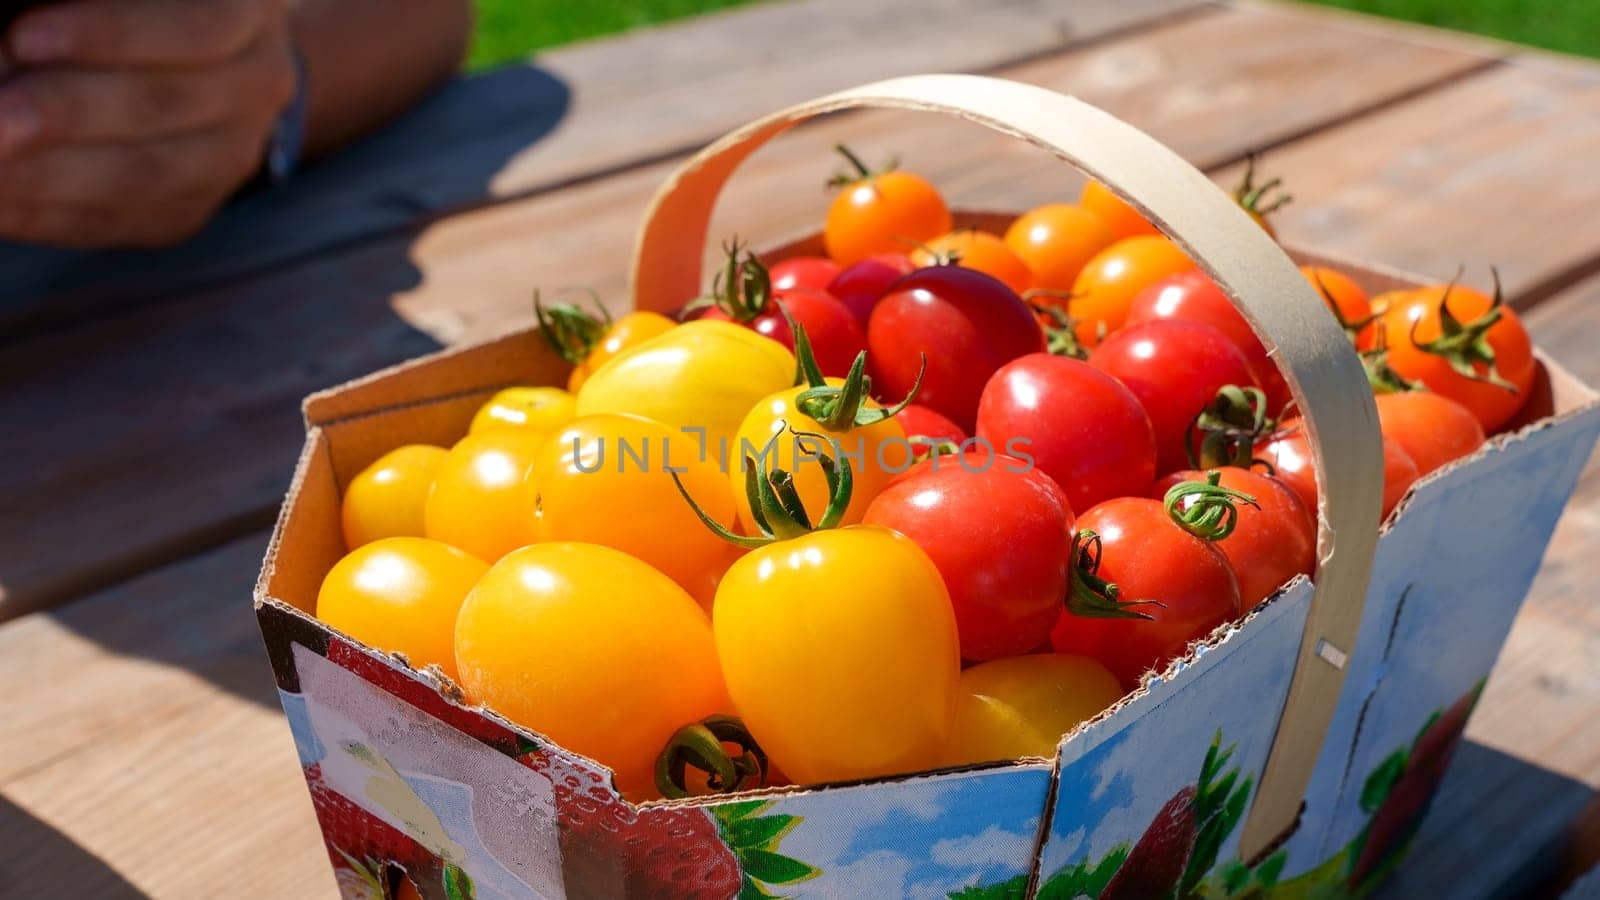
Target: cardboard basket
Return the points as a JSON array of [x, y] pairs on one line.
[[1293, 752]]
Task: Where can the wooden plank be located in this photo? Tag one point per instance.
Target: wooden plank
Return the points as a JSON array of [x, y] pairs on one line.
[[193, 401], [129, 716], [574, 113]]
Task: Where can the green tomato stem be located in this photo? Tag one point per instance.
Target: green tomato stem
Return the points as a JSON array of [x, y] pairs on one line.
[[1091, 597], [1206, 509], [1464, 345], [1230, 427], [703, 746]]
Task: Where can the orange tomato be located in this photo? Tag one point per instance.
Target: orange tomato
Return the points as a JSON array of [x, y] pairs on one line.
[[890, 212], [1345, 298], [387, 498], [1425, 346], [1432, 429], [479, 502], [1105, 288], [1290, 457], [1123, 220], [1055, 240], [977, 250]]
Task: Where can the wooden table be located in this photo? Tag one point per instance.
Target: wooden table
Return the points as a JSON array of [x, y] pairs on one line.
[[150, 403]]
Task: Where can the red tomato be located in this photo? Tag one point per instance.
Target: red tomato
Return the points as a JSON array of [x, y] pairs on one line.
[[1055, 240], [968, 325], [1431, 429], [1290, 458], [1149, 557], [815, 272], [1421, 350], [1274, 540], [1108, 283], [745, 295], [1000, 534], [1194, 297], [1079, 425], [859, 285], [1123, 220], [921, 422], [888, 212], [1175, 368]]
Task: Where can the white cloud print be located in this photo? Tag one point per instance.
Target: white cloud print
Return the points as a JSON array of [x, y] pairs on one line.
[[991, 848], [833, 820]]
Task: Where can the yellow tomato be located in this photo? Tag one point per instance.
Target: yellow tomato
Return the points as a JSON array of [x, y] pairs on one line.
[[593, 649], [479, 501], [605, 480], [839, 649], [1023, 705], [540, 408], [702, 375], [401, 594], [1107, 284], [626, 333], [387, 498], [877, 453]]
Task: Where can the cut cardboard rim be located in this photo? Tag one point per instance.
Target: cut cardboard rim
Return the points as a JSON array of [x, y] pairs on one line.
[[1323, 372]]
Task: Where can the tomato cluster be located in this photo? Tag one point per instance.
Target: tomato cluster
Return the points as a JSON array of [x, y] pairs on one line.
[[933, 499]]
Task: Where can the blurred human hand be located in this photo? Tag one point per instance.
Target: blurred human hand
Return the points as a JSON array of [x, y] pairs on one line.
[[129, 122]]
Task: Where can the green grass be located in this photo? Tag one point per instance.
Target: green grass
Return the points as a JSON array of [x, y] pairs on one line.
[[1572, 26], [509, 30]]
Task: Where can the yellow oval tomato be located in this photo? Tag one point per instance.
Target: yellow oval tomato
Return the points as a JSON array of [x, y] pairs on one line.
[[607, 479], [401, 595], [839, 649], [702, 375], [877, 453], [479, 501], [593, 649], [626, 333], [540, 408], [387, 498], [1023, 705]]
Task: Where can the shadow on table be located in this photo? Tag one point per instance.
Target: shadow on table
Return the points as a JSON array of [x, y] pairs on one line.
[[38, 861]]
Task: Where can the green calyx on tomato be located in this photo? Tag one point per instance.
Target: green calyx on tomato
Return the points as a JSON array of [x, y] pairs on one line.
[[1091, 596], [858, 171], [1380, 375], [570, 331], [742, 290], [703, 745], [1230, 427], [1061, 331], [1254, 198], [839, 408], [1466, 344], [1352, 328], [1206, 509], [775, 503]]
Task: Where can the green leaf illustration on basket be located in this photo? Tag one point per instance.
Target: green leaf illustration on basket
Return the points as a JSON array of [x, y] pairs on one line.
[[754, 838]]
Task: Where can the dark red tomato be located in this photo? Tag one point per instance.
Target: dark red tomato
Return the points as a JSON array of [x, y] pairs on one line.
[[1175, 368], [1000, 534], [835, 337], [1194, 297], [815, 272], [1274, 540], [859, 285], [1079, 425], [1290, 458], [922, 422], [1149, 557], [967, 324]]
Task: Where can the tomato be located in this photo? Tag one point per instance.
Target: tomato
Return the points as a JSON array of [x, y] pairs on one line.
[[1290, 458], [888, 212], [812, 272], [702, 376], [1257, 199], [593, 649], [479, 501], [1123, 220], [965, 323], [588, 342], [1109, 281], [1055, 241], [919, 421], [541, 408], [744, 294], [978, 250], [1346, 299], [1000, 533], [860, 284], [1194, 297], [1432, 429], [387, 497], [1436, 333], [1149, 557], [1080, 426], [598, 466], [401, 595], [1023, 706], [1175, 368], [1275, 538]]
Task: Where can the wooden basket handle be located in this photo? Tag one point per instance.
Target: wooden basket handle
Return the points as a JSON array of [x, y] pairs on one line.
[[1323, 371]]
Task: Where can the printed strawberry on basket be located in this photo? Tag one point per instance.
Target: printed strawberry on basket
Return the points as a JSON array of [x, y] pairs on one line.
[[886, 562]]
